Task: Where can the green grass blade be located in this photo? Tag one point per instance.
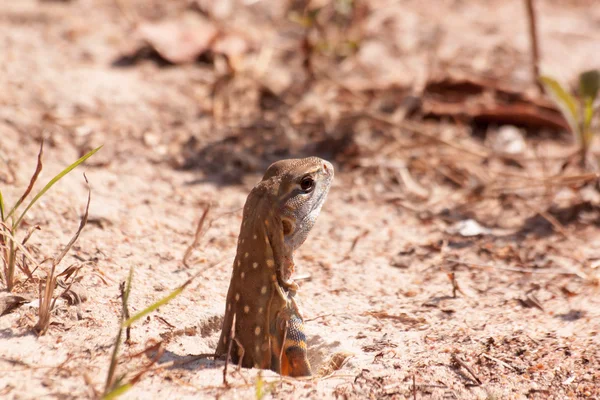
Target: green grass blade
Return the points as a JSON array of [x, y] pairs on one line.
[[113, 361], [1, 207], [127, 288], [53, 181], [153, 307], [118, 391], [565, 102]]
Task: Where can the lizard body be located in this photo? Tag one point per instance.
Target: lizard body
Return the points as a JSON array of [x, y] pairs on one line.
[[279, 213]]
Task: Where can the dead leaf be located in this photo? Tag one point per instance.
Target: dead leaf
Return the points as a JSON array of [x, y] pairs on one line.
[[9, 302], [489, 101]]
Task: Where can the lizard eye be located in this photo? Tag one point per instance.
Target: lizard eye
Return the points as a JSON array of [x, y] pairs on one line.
[[307, 184]]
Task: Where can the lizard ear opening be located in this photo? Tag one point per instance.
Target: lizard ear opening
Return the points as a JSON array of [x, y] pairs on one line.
[[288, 227]]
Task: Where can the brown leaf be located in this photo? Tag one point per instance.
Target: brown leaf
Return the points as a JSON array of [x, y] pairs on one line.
[[9, 302], [488, 101]]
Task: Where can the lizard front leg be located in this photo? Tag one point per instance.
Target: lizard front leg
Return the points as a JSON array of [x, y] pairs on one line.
[[290, 286]]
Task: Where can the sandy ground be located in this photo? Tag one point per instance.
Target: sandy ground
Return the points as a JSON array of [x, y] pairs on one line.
[[388, 300]]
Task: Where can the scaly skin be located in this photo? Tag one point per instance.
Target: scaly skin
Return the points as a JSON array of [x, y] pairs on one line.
[[279, 213]]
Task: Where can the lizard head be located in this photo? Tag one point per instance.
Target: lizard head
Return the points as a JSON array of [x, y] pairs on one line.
[[303, 187]]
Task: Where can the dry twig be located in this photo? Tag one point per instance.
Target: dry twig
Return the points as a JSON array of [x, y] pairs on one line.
[[508, 366], [354, 243], [463, 364], [533, 41], [197, 237]]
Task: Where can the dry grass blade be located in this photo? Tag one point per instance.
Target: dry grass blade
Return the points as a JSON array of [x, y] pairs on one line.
[[47, 301], [197, 237], [32, 181], [81, 226]]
